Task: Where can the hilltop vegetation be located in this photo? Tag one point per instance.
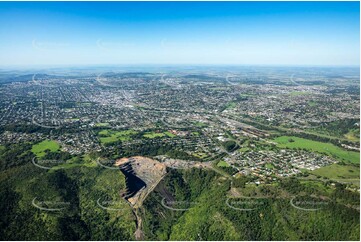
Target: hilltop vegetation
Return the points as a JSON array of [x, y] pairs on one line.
[[74, 193], [90, 208], [203, 196]]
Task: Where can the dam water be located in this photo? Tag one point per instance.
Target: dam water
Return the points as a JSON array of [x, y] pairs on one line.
[[134, 183]]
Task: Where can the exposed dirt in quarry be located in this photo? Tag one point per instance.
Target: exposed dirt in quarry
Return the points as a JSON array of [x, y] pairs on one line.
[[142, 176]]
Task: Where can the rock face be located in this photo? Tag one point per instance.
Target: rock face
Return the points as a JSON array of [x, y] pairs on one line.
[[149, 171]]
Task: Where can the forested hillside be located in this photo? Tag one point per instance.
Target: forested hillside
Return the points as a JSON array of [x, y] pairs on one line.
[[81, 201]]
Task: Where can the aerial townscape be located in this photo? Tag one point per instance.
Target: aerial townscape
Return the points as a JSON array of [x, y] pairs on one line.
[[260, 133], [180, 121]]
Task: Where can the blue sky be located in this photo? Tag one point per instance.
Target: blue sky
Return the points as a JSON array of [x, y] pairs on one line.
[[237, 33]]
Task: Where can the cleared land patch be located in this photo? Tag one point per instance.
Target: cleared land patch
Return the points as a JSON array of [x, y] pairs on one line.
[[336, 171], [40, 149], [101, 124], [223, 164], [231, 105], [169, 134], [200, 124], [152, 135], [85, 161], [320, 147], [111, 136], [200, 155], [352, 135]]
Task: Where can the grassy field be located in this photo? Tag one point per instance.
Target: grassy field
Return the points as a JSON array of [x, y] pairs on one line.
[[169, 134], [152, 135], [317, 185], [101, 124], [40, 148], [223, 164], [200, 155], [352, 135], [244, 149], [231, 105], [86, 161], [72, 119], [336, 171], [200, 124], [327, 148], [110, 136]]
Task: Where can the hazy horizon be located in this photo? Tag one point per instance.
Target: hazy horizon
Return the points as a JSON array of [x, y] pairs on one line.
[[180, 33]]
